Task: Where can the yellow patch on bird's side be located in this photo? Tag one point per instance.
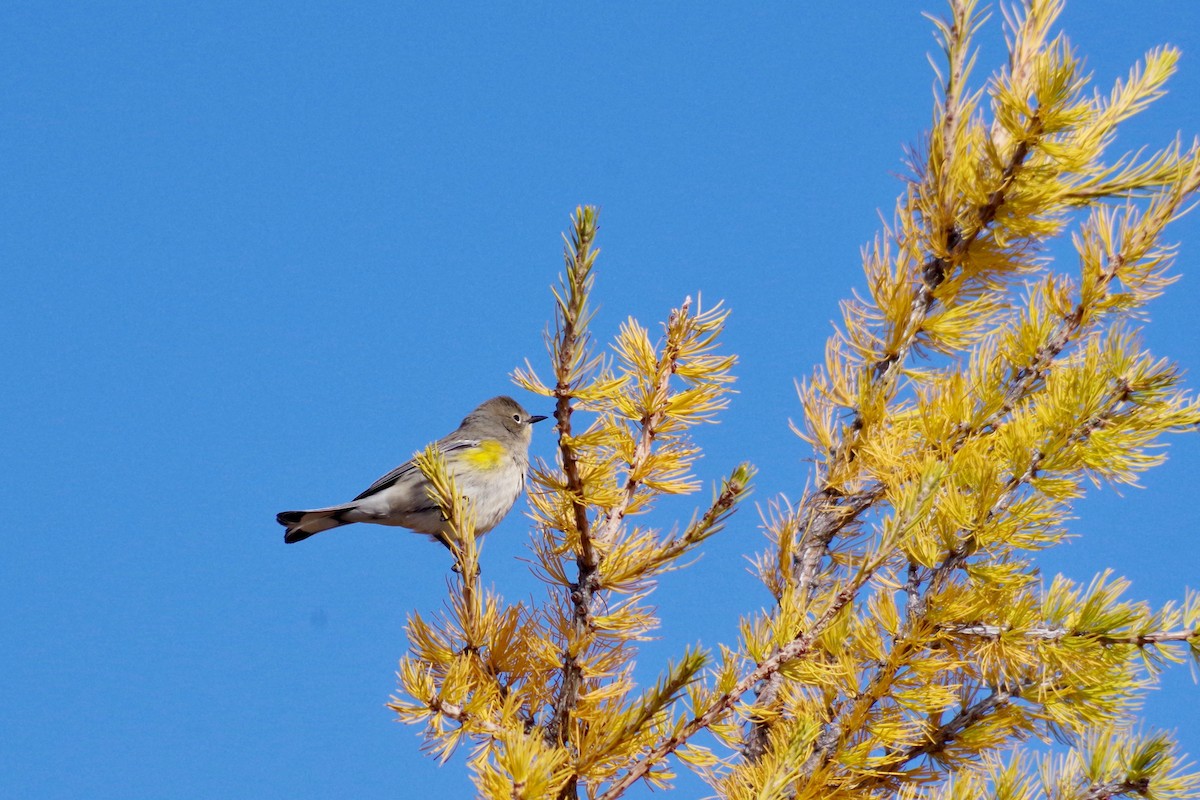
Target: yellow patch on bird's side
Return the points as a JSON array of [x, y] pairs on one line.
[[487, 455]]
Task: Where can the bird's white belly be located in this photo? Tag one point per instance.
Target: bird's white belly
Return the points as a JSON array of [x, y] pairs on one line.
[[491, 494]]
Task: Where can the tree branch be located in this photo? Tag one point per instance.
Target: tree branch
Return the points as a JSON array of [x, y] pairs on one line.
[[1107, 791], [457, 713], [797, 648], [1051, 634], [648, 425], [945, 734], [569, 347], [588, 560]]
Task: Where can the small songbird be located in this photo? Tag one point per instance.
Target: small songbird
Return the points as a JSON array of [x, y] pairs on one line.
[[487, 456]]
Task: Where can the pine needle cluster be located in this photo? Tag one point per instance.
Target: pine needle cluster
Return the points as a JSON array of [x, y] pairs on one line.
[[966, 402]]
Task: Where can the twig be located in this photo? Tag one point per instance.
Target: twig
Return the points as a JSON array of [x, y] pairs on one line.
[[457, 713]]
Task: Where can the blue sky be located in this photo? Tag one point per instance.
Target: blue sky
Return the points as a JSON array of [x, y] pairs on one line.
[[257, 253]]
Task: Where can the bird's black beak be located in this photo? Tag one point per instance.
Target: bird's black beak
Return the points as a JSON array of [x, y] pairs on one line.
[[537, 418]]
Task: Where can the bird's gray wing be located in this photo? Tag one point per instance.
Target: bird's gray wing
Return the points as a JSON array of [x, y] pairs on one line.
[[408, 467]]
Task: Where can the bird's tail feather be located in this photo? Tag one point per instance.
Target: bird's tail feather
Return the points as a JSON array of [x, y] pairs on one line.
[[303, 524]]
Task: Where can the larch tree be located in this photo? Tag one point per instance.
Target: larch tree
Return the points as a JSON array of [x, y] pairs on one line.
[[967, 400]]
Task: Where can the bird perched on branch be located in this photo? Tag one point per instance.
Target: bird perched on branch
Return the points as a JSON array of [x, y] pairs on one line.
[[487, 457]]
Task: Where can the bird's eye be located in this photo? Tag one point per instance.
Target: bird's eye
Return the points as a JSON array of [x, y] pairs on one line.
[[517, 417]]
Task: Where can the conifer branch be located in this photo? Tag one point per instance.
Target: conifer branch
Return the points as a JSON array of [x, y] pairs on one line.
[[1026, 378], [827, 512], [822, 517], [1056, 634], [957, 244], [955, 557], [455, 712], [734, 489], [799, 647], [638, 436], [942, 736], [648, 425], [904, 580], [1111, 789], [461, 540], [816, 538], [569, 347], [584, 592]]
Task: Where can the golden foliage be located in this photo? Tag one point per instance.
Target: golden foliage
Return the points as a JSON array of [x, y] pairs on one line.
[[967, 400], [545, 696]]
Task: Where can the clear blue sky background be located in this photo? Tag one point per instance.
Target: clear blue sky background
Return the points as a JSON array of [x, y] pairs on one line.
[[257, 253]]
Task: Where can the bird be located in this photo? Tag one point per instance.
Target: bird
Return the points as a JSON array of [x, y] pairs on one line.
[[488, 456]]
